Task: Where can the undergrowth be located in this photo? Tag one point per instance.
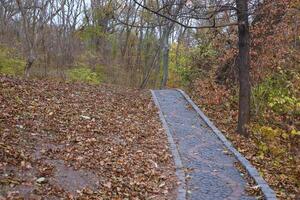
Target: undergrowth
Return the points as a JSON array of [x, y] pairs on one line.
[[10, 64], [274, 142], [83, 74]]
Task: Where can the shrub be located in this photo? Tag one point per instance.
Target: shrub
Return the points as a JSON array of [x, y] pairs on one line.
[[191, 63], [83, 74], [179, 69], [273, 140], [276, 93]]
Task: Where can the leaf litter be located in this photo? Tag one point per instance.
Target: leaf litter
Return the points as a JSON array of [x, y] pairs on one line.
[[60, 140]]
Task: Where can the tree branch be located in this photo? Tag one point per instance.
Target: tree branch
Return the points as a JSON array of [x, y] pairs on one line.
[[214, 25]]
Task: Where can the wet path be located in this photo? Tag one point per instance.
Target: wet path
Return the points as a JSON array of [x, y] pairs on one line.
[[210, 169]]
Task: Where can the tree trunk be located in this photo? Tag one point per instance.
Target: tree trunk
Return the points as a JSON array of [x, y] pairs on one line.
[[27, 68], [29, 63], [243, 64], [148, 73], [165, 56]]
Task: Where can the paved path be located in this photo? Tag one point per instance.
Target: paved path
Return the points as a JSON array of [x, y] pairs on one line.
[[211, 173]]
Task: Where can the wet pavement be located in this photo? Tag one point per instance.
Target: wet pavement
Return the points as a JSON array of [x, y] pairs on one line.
[[210, 168]]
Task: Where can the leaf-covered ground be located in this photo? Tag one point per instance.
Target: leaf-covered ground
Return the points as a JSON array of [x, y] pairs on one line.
[[61, 140], [278, 161]]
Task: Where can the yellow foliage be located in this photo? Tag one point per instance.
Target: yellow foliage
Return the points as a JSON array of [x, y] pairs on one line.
[[268, 133], [269, 140], [295, 132]]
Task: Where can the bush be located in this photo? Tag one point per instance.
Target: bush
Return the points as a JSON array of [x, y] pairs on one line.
[[191, 63], [273, 140], [83, 74], [276, 93], [179, 69]]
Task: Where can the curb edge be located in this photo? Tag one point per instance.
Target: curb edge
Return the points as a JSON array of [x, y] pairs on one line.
[[268, 193], [181, 189]]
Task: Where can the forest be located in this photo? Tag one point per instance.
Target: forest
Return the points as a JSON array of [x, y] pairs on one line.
[[239, 60]]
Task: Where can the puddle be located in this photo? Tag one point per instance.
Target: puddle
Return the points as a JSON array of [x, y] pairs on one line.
[[21, 181], [72, 180], [14, 178], [66, 177]]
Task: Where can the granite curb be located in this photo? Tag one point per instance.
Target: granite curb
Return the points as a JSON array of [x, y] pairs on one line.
[[268, 193], [181, 190]]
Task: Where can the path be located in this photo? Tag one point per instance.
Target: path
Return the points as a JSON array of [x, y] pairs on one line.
[[211, 173]]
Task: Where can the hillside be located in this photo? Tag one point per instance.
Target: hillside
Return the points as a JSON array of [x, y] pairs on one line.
[[75, 140]]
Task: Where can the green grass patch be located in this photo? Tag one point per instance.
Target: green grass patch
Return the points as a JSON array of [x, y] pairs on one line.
[[9, 63], [83, 74]]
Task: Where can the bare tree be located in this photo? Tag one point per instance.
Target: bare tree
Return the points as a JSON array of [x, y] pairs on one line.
[[34, 16], [7, 12], [204, 14]]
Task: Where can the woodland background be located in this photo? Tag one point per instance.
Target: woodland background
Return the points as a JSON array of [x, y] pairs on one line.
[[118, 42]]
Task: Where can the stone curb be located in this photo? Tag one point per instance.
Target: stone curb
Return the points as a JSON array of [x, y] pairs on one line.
[[181, 190], [268, 193]]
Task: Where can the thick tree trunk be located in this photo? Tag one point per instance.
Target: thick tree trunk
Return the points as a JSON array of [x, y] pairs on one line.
[[243, 64]]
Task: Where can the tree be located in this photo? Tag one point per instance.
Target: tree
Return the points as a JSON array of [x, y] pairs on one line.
[[212, 13], [243, 64], [34, 16]]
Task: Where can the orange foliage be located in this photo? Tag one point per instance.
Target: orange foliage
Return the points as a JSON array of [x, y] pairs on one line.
[[273, 146], [275, 38]]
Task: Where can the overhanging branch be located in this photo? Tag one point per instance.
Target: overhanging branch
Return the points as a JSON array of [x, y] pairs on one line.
[[214, 25]]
